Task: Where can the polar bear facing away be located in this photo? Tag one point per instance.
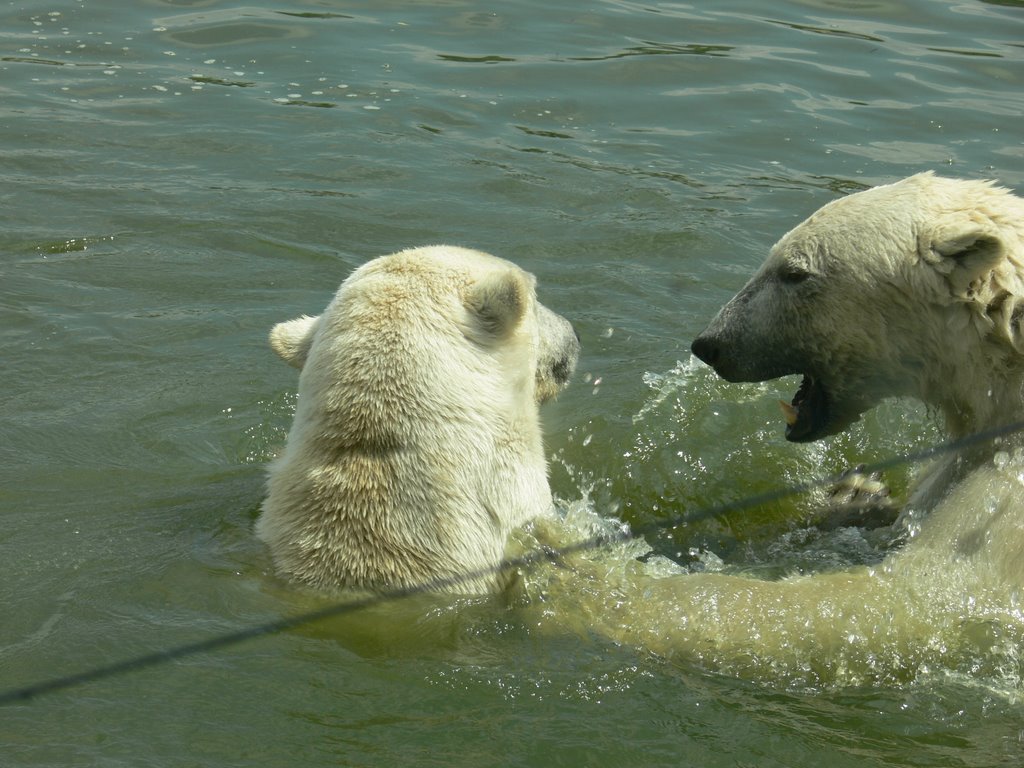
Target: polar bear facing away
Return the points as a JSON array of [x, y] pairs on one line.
[[416, 443], [910, 289]]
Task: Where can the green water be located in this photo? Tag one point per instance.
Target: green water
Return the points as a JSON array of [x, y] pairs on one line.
[[175, 177]]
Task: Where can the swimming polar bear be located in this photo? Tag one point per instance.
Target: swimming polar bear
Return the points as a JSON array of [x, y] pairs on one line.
[[911, 289], [416, 445]]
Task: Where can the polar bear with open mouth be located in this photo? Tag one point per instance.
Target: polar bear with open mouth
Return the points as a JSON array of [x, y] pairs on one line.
[[910, 289]]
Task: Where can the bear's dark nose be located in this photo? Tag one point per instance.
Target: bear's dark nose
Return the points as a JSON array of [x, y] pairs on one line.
[[706, 349]]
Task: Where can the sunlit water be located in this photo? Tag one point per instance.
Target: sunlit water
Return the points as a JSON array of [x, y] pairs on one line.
[[176, 177]]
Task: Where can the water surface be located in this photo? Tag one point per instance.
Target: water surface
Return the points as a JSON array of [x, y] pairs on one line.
[[175, 177]]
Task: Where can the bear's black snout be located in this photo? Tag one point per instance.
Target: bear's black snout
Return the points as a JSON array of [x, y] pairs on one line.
[[707, 349], [731, 361]]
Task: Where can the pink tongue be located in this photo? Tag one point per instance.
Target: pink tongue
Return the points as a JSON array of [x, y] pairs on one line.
[[789, 412]]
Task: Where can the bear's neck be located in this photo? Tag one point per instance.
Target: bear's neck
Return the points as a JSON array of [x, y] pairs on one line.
[[990, 417]]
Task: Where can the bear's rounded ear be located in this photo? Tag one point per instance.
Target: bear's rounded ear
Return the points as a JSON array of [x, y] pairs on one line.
[[499, 300], [963, 247], [292, 340]]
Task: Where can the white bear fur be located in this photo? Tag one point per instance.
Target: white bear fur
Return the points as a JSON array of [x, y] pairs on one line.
[[416, 445], [913, 288]]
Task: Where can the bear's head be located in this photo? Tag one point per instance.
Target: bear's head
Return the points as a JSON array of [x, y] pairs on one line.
[[491, 301], [914, 288]]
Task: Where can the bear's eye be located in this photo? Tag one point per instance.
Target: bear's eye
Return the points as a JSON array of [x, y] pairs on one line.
[[791, 274]]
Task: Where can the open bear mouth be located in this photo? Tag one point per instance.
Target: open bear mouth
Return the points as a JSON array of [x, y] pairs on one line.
[[807, 417]]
